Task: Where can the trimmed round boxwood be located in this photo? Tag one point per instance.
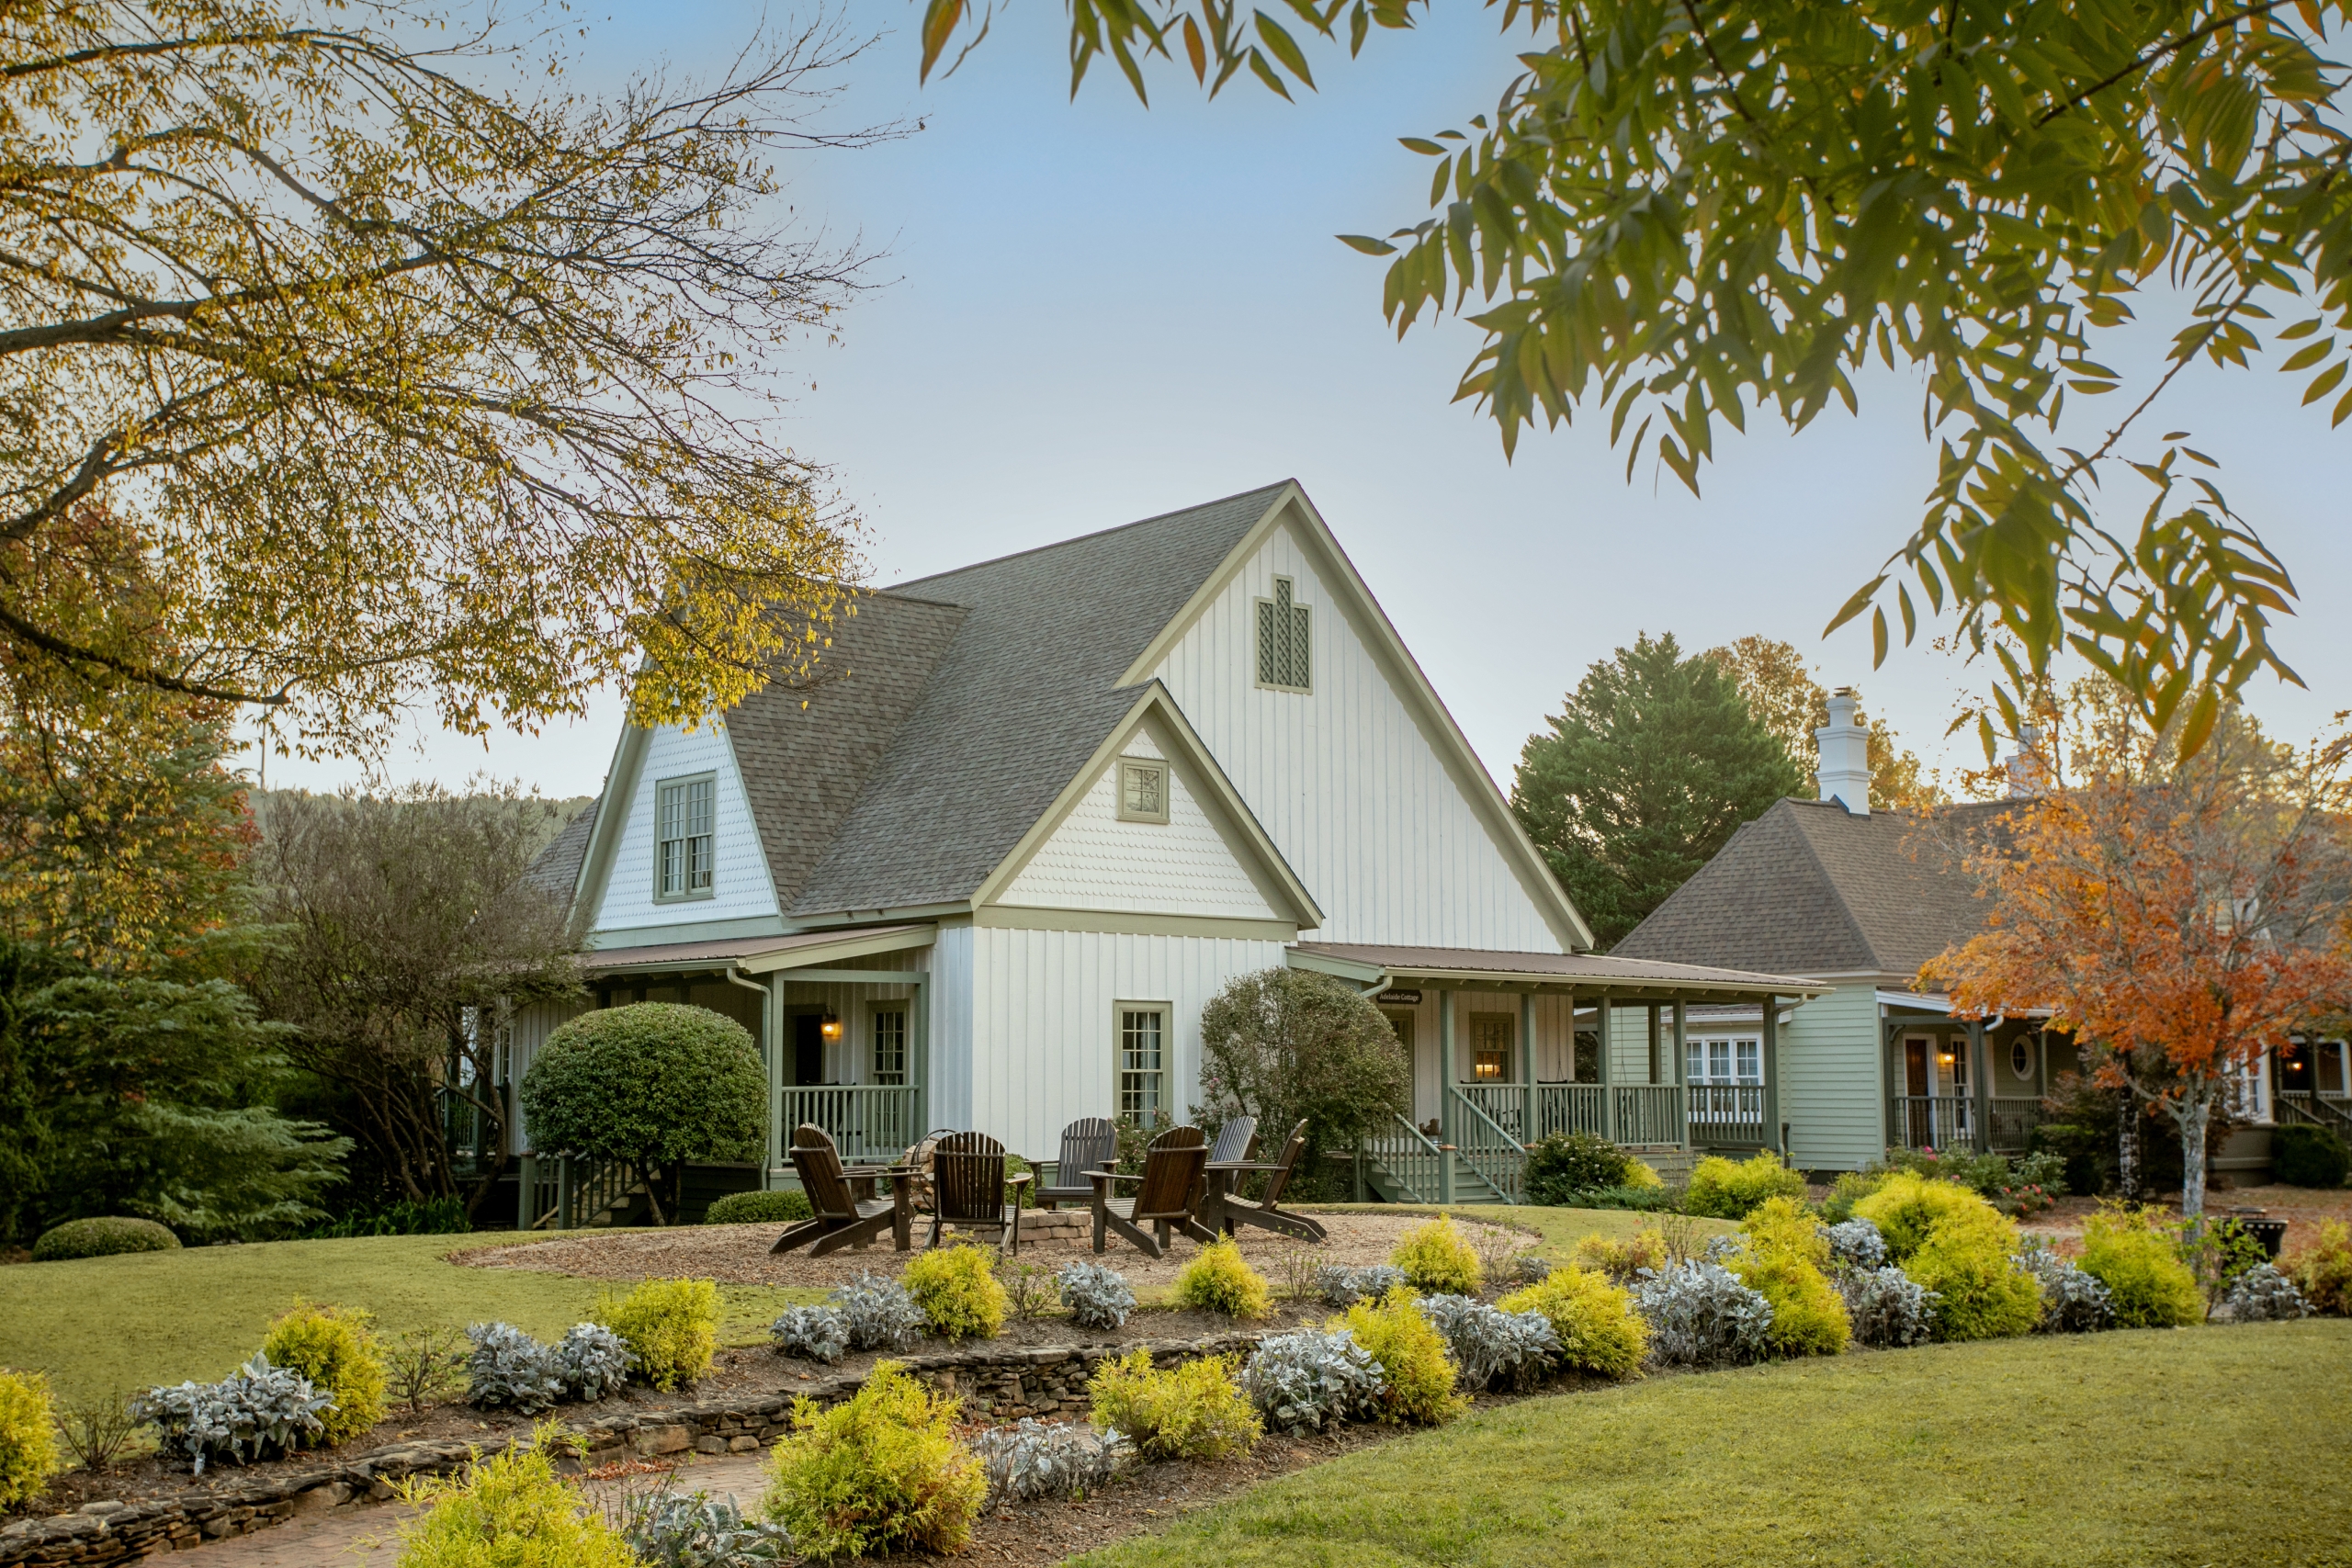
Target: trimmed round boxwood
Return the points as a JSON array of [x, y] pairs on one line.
[[759, 1209], [103, 1238], [2309, 1156]]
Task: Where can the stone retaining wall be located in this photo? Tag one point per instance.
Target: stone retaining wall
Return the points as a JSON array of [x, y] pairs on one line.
[[1000, 1385]]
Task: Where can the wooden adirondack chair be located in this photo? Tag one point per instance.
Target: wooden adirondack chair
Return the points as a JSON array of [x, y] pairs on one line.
[[1091, 1143], [969, 1187], [1266, 1211], [1169, 1197], [1235, 1142], [841, 1218]]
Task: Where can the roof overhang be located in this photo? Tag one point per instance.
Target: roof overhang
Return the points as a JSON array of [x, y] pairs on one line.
[[758, 954], [1624, 979]]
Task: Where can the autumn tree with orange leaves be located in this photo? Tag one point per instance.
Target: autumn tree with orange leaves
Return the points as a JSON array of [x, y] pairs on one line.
[[2181, 917]]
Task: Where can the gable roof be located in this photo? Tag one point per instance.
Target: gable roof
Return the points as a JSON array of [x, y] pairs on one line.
[[556, 869], [1808, 888]]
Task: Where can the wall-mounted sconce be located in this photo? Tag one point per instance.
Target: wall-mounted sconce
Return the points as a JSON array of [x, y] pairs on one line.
[[830, 1026], [1945, 1058]]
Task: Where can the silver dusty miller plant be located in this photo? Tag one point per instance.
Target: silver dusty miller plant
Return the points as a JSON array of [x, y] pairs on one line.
[[593, 1361], [811, 1333], [1307, 1379], [1344, 1287], [1048, 1459], [2072, 1301], [2262, 1294], [1491, 1346], [1096, 1294], [1701, 1315], [255, 1412], [509, 1369], [671, 1529], [878, 1314], [1887, 1307], [1854, 1243]]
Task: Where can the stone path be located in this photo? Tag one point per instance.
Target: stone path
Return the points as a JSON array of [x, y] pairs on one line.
[[366, 1532]]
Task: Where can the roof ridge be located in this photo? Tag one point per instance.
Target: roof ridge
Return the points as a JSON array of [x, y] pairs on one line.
[[897, 589]]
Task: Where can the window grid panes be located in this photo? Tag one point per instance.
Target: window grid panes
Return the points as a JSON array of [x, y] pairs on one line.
[[1143, 1075], [1724, 1061], [684, 836], [1143, 792], [890, 1047], [1282, 642], [1490, 1040]]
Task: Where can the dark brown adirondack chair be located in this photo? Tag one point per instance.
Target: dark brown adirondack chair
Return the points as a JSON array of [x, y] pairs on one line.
[[1167, 1199], [969, 1187], [1266, 1210], [1235, 1142], [841, 1218], [1091, 1143]]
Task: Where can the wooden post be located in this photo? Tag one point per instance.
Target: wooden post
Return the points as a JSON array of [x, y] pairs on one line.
[[1983, 1095], [919, 1054], [1527, 1068], [771, 1048], [1655, 1009], [527, 1190], [1681, 1069], [1608, 1078], [1769, 1053], [1445, 1092], [563, 1192]]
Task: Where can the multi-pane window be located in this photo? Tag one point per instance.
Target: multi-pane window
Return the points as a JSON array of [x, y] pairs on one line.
[[1751, 1054], [1283, 657], [1725, 1061], [684, 809], [1143, 792], [1143, 1063], [1490, 1035], [890, 1047]]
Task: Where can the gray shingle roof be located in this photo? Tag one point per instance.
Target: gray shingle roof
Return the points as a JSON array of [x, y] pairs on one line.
[[1015, 702], [556, 869], [1808, 889]]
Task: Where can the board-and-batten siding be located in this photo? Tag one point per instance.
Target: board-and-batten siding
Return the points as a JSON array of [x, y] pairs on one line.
[[1044, 1024], [1551, 1059], [527, 1030], [1094, 861], [740, 885], [1831, 1081], [1343, 779]]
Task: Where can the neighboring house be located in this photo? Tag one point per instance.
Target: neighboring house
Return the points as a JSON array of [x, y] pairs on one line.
[[1857, 901], [985, 869]]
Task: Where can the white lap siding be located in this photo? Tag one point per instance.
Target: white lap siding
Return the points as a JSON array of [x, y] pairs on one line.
[[740, 885], [1833, 1093]]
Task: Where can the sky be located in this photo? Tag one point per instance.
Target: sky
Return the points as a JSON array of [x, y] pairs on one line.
[[1090, 312]]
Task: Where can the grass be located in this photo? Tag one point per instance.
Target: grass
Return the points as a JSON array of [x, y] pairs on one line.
[[2186, 1447], [101, 1324]]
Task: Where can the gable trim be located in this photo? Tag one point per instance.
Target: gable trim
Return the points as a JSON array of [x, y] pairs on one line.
[[1356, 602], [612, 825], [1274, 872], [1035, 918]]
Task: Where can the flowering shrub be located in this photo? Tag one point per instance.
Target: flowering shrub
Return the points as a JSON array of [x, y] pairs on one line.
[[1096, 1294], [1311, 1378]]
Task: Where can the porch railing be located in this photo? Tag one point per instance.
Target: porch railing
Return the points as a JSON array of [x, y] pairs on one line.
[[564, 1192], [2013, 1121], [1504, 1104], [1568, 1108], [1487, 1148], [1648, 1113], [867, 1122], [1412, 1160], [1727, 1114], [2305, 1105], [1949, 1121]]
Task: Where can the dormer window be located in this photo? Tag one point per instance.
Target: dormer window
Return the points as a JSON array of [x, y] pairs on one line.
[[683, 842], [1143, 791], [1282, 659]]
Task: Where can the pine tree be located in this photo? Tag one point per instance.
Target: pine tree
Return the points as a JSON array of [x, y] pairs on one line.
[[1652, 764]]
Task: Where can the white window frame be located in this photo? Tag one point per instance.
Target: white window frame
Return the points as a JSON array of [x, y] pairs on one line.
[[1724, 1059], [1131, 767], [1123, 1015], [874, 1057], [1267, 616], [681, 788]]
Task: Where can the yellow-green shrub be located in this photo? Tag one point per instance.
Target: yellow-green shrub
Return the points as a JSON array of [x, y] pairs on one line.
[[1639, 1175], [1220, 1279], [1785, 1252], [1599, 1330], [956, 1288], [1907, 1206], [2322, 1271], [28, 1455], [2140, 1264], [1195, 1411], [881, 1472], [1436, 1256], [672, 1327], [1966, 1261], [1729, 1191], [1620, 1258], [335, 1351], [510, 1511], [1412, 1356]]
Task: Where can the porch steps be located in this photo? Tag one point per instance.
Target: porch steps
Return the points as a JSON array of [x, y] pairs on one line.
[[1469, 1187]]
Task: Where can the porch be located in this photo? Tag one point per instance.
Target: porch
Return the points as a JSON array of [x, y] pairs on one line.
[[1973, 1084], [1511, 1047]]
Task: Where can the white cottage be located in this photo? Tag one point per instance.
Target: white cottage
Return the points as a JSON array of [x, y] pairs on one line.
[[1033, 813]]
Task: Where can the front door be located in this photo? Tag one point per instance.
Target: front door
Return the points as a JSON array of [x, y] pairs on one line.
[[807, 1049], [2295, 1068], [1918, 1085]]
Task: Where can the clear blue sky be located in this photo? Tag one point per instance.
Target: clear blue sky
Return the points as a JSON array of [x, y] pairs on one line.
[[1093, 312]]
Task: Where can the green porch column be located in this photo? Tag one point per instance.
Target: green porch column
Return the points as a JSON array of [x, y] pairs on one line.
[[1447, 1131], [1681, 1061], [772, 1055], [1608, 1073], [918, 1053], [1771, 1065], [1527, 1068], [1980, 1064]]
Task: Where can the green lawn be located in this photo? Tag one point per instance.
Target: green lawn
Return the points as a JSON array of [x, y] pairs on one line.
[[2188, 1447], [150, 1317]]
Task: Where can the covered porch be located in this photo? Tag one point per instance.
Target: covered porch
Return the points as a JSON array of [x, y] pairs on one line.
[[1975, 1083], [1511, 1047]]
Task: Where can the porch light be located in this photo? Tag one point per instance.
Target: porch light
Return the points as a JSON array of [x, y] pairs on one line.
[[1945, 1058], [830, 1026]]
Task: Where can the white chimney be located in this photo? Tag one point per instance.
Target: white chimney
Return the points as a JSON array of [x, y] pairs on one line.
[[2029, 771], [1845, 754]]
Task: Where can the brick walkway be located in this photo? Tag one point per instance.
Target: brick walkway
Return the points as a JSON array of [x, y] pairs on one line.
[[366, 1532]]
